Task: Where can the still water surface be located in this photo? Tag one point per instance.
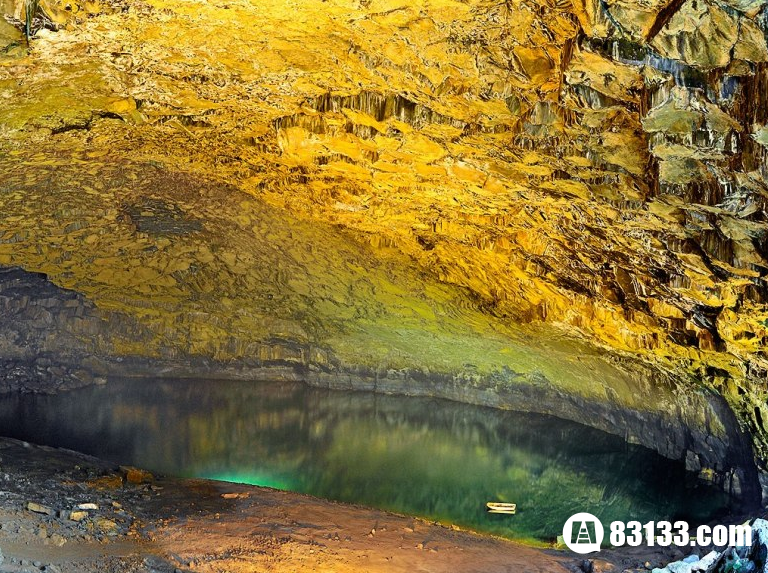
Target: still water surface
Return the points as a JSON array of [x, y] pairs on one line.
[[420, 456]]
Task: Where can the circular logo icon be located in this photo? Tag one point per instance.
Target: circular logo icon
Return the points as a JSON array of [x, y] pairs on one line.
[[583, 533]]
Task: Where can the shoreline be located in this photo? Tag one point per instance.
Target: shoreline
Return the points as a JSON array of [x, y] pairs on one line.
[[153, 523], [156, 523]]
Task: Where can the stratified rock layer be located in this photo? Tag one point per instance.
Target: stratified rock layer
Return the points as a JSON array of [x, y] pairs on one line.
[[595, 166]]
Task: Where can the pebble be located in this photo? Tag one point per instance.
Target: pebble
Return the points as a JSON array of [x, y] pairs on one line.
[[37, 508], [107, 526]]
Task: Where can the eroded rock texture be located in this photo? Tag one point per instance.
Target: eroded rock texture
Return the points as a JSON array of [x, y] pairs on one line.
[[594, 166]]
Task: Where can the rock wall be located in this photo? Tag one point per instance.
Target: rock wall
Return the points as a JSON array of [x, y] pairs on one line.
[[43, 334], [692, 77]]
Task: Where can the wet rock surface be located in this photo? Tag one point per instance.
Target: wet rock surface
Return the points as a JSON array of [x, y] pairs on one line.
[[44, 327]]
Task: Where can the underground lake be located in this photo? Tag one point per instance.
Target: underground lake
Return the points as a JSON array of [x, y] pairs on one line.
[[431, 458]]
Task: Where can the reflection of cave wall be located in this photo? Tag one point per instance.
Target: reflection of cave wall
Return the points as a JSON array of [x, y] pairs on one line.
[[364, 447], [719, 450]]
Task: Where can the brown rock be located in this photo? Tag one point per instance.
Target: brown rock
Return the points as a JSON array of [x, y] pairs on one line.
[[37, 508], [111, 481], [136, 475], [107, 526], [700, 34], [751, 45]]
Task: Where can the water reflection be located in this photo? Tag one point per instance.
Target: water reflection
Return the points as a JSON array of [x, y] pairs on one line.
[[419, 456]]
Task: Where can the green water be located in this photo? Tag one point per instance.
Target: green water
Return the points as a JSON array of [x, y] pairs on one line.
[[419, 456]]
